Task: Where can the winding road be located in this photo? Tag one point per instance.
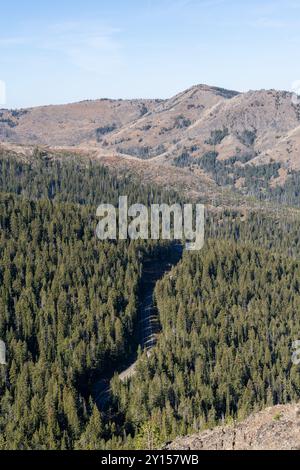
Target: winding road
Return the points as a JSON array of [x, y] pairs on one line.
[[153, 270]]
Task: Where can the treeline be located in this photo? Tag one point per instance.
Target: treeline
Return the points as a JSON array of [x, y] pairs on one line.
[[72, 179]]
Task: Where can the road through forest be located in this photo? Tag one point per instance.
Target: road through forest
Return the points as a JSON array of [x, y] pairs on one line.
[[154, 269]]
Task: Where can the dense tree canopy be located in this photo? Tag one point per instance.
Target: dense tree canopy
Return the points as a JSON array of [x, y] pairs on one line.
[[229, 316], [69, 308]]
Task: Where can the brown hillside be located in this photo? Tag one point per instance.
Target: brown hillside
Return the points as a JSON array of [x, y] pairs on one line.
[[276, 428]]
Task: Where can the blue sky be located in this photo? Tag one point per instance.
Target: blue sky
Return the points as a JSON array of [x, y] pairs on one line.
[[61, 51]]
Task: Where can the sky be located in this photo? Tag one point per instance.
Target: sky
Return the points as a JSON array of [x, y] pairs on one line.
[[62, 51]]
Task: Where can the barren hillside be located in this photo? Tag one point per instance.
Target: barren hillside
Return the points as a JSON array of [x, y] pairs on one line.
[[72, 124], [246, 142], [276, 428]]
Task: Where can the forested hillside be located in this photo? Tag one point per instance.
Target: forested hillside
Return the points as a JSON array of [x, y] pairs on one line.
[[71, 179], [228, 316], [69, 304], [67, 307]]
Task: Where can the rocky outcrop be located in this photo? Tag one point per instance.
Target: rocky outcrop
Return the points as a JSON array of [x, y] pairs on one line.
[[275, 428]]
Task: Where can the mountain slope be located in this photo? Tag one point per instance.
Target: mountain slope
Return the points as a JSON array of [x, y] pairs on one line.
[[246, 142], [71, 124], [200, 119], [160, 130]]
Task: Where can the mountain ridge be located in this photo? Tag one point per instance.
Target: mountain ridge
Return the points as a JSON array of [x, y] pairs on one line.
[[238, 140]]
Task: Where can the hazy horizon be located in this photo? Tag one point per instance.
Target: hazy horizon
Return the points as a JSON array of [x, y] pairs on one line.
[[62, 52]]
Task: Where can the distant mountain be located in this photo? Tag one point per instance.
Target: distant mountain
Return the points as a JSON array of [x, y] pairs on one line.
[[72, 124], [247, 142], [276, 428]]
